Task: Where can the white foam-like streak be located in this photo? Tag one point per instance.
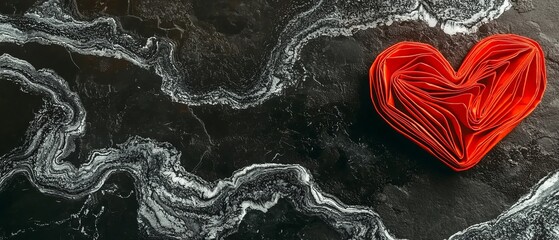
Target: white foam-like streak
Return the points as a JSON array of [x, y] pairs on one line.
[[49, 24], [176, 203], [534, 216], [172, 202]]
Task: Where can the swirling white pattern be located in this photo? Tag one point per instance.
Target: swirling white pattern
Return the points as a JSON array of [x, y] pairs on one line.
[[49, 23], [173, 202]]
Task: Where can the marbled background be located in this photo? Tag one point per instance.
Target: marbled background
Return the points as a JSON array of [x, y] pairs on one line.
[[320, 117]]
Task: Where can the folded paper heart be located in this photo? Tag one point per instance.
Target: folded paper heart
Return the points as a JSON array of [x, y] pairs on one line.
[[458, 116]]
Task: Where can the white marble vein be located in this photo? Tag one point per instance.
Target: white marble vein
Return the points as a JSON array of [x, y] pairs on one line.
[[173, 202], [534, 216], [49, 23]]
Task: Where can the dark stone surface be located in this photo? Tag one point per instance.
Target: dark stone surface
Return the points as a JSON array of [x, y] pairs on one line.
[[282, 222], [109, 213], [326, 123], [16, 110], [15, 6]]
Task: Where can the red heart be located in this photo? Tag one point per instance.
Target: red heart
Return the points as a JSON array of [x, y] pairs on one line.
[[458, 116]]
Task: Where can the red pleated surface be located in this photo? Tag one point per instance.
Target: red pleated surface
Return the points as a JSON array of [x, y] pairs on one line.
[[458, 116]]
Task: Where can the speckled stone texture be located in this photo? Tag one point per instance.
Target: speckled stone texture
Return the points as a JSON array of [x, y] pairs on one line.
[[325, 123]]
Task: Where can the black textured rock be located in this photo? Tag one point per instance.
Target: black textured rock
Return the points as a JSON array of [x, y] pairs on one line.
[[325, 123], [14, 102], [107, 214]]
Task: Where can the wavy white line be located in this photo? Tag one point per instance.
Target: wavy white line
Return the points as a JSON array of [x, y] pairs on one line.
[[48, 24], [174, 202]]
